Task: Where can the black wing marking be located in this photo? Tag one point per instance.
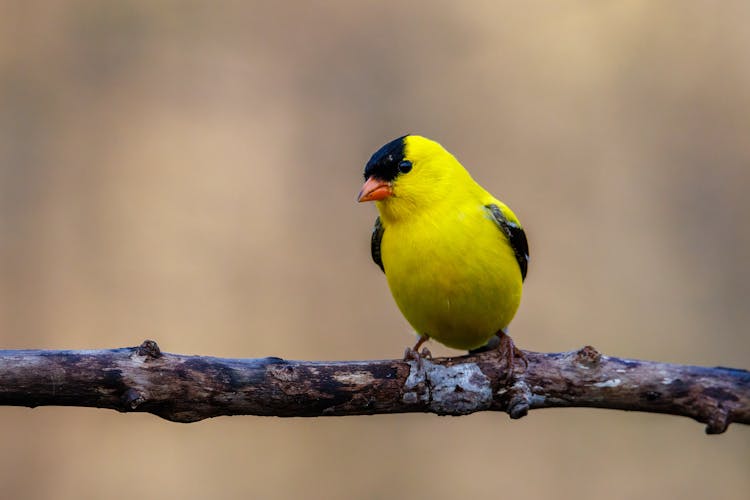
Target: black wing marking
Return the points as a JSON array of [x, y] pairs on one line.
[[515, 235], [377, 236]]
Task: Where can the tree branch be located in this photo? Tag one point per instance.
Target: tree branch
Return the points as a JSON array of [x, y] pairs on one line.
[[190, 388]]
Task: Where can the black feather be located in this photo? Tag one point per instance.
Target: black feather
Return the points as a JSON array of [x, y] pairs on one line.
[[384, 162], [377, 236], [516, 236]]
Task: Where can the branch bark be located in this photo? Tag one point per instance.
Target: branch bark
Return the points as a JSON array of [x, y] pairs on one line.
[[190, 388]]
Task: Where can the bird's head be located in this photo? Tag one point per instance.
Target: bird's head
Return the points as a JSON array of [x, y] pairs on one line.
[[410, 174]]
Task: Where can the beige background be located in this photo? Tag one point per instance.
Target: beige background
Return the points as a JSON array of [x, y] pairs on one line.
[[186, 171]]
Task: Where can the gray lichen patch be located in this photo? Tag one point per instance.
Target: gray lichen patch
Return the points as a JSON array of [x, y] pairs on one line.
[[449, 390], [415, 387]]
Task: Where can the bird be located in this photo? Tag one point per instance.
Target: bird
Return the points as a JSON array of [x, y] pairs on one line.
[[454, 256]]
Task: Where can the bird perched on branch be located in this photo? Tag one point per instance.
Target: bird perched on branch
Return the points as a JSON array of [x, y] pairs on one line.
[[455, 257]]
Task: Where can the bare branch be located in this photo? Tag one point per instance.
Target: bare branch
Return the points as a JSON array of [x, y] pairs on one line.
[[190, 388]]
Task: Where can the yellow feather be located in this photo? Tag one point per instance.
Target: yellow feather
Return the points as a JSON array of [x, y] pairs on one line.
[[451, 270]]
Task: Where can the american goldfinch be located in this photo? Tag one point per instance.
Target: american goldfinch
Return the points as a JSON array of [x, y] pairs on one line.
[[455, 257]]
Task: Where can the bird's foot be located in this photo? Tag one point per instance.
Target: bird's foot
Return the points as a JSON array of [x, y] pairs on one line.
[[510, 353], [413, 354]]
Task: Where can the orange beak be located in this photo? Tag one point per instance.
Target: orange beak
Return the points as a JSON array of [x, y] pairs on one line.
[[375, 189]]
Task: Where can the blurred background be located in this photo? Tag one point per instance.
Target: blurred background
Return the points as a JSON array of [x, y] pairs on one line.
[[187, 172]]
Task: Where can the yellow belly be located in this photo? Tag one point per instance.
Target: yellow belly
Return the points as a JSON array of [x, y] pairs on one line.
[[455, 279]]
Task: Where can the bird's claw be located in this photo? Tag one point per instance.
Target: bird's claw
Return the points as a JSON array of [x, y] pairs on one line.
[[412, 355], [510, 353]]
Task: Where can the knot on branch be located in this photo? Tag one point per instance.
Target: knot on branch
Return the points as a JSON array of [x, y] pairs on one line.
[[148, 349], [520, 400], [717, 403], [588, 357], [132, 399], [718, 421], [516, 399], [459, 389]]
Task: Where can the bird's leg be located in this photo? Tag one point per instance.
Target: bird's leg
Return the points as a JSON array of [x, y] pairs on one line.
[[510, 352], [414, 354]]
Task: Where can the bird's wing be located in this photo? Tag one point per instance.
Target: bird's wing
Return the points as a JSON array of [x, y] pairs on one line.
[[377, 235], [515, 234]]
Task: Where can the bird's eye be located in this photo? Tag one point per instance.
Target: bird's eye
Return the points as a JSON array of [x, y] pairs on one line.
[[404, 167]]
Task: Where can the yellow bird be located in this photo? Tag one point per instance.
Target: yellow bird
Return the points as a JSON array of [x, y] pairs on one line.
[[455, 257]]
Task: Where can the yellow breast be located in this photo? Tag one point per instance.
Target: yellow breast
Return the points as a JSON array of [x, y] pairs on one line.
[[453, 275]]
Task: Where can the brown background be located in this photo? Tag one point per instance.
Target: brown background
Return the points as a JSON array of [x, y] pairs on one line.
[[186, 171]]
